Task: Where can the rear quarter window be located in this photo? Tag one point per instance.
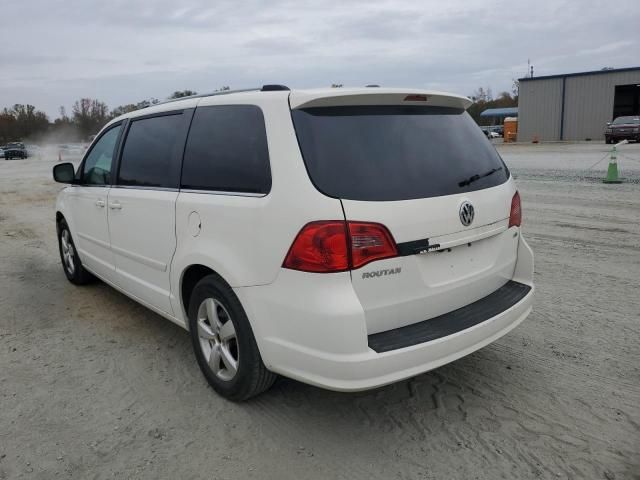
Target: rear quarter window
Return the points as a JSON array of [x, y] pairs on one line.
[[227, 151], [386, 153]]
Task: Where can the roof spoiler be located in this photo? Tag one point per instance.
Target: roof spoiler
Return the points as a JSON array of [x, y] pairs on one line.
[[376, 96]]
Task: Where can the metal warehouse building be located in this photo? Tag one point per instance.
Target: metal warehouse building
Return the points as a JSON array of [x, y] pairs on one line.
[[576, 106]]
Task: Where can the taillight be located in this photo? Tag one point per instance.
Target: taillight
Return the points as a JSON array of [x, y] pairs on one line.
[[319, 247], [369, 242], [337, 246], [515, 217]]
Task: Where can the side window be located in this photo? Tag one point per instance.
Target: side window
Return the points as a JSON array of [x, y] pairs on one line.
[[151, 153], [227, 150], [96, 169]]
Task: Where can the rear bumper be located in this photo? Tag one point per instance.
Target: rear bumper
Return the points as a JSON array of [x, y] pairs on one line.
[[311, 328], [453, 322]]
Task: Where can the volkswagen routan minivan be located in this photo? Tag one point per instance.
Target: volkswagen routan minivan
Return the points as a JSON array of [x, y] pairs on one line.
[[346, 238]]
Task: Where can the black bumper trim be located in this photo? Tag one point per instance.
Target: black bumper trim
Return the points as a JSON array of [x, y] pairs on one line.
[[456, 321]]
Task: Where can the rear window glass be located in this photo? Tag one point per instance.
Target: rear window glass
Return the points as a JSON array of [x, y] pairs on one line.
[[227, 151], [384, 153]]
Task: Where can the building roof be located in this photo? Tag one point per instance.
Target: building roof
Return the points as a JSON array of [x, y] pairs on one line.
[[578, 74], [500, 112]]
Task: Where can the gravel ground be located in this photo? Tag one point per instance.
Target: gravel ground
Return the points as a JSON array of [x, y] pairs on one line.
[[93, 385]]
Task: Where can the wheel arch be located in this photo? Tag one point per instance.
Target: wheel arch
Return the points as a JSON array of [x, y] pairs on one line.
[[59, 218], [191, 275]]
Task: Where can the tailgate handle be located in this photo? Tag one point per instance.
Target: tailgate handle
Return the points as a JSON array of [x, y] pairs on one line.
[[416, 247]]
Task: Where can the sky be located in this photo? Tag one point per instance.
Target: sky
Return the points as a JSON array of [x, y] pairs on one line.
[[53, 52]]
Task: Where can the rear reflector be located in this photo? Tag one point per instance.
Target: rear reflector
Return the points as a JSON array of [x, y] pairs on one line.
[[515, 217], [338, 246]]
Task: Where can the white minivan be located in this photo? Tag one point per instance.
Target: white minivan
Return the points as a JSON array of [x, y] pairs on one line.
[[346, 238]]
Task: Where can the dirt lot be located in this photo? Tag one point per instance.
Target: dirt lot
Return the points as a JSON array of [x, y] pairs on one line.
[[94, 386]]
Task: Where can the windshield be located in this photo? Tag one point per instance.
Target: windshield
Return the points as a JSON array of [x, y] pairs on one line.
[[384, 153], [621, 120]]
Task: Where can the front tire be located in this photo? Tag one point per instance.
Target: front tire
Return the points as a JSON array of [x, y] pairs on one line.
[[71, 263], [223, 342]]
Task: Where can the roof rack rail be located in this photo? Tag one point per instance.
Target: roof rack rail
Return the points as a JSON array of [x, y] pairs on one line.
[[211, 94], [274, 88]]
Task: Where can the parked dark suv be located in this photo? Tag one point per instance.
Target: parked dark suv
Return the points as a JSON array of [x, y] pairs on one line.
[[623, 128], [15, 150]]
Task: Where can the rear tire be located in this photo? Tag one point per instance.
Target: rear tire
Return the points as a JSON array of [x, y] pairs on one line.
[[223, 342], [71, 263]]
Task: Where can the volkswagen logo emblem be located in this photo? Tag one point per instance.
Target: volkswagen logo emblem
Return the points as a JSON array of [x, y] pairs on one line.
[[466, 213]]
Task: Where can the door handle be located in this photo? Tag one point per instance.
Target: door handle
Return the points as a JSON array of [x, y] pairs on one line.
[[115, 206], [100, 203]]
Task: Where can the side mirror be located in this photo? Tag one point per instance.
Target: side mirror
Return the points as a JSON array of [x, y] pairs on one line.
[[608, 123], [64, 173]]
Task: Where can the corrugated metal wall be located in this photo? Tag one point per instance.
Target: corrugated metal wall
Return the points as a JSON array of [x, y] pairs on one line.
[[588, 105], [539, 104]]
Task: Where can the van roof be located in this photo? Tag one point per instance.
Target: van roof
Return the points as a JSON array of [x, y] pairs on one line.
[[321, 97]]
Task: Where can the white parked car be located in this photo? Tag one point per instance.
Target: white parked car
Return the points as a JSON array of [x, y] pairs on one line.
[[347, 238]]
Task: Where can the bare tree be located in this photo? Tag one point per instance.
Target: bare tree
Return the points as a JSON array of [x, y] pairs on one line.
[[22, 122], [182, 93], [90, 115], [131, 107], [515, 88]]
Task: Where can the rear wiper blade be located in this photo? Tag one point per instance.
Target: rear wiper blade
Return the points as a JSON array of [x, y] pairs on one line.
[[477, 177]]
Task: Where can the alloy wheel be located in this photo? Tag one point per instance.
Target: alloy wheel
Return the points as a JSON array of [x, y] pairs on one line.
[[218, 340], [68, 252]]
